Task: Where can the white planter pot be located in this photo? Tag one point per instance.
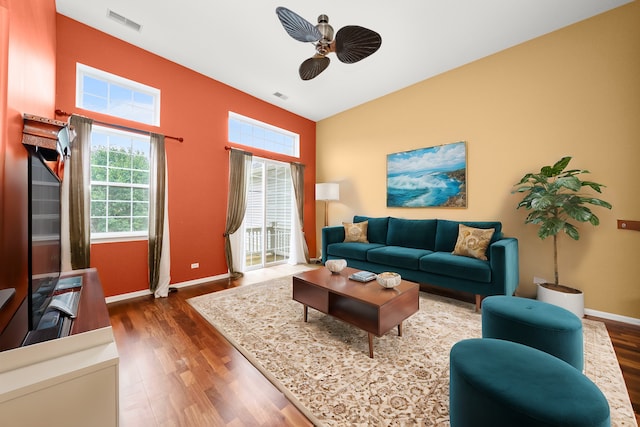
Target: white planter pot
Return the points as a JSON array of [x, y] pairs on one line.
[[572, 301]]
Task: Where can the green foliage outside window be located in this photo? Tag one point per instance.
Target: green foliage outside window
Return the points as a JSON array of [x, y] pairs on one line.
[[120, 188]]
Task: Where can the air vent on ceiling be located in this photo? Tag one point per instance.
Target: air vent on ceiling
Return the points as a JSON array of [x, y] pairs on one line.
[[281, 96], [123, 20]]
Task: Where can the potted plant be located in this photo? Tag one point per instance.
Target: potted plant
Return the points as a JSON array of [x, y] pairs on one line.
[[554, 198]]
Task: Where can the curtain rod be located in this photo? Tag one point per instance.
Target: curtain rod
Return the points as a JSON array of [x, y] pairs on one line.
[[227, 148], [121, 127]]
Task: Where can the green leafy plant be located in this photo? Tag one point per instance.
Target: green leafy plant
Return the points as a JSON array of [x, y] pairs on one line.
[[554, 198]]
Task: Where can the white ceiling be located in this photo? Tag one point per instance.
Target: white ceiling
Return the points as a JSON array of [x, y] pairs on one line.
[[243, 44]]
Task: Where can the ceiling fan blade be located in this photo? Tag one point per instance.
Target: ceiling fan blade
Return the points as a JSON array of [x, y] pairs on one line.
[[298, 27], [354, 43], [313, 66]]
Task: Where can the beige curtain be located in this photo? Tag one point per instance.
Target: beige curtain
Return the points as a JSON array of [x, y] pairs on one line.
[[239, 175], [297, 176], [79, 192], [159, 258]]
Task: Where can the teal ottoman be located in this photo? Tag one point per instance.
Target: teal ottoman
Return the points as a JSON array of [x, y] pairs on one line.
[[498, 383], [537, 324]]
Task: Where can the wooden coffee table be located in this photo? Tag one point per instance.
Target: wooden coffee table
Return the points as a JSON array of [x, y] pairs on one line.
[[367, 306]]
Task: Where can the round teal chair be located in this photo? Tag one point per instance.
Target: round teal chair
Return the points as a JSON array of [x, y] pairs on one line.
[[498, 383], [538, 324]]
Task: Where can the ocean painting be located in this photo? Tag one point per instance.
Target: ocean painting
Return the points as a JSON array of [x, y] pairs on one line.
[[428, 177]]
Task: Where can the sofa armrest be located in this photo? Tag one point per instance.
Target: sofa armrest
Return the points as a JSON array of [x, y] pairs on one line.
[[333, 234], [504, 261]]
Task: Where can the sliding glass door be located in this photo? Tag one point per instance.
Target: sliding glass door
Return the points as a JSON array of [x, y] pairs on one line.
[[267, 223]]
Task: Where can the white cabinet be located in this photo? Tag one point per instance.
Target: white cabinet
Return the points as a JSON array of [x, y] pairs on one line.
[[66, 382]]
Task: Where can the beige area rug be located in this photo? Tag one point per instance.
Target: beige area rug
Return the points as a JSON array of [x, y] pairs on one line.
[[324, 368]]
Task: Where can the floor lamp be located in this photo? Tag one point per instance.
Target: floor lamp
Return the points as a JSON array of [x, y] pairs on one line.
[[326, 192]]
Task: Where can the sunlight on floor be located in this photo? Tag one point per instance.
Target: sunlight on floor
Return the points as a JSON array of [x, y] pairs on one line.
[[263, 274]]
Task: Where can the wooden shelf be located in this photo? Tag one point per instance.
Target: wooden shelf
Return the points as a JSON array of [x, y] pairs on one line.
[[41, 132], [47, 136]]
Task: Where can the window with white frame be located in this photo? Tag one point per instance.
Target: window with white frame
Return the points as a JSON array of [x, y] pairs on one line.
[[253, 133], [119, 183], [110, 94]]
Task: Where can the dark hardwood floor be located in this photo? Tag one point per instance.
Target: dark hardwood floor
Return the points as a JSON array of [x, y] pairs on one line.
[[626, 342], [177, 370]]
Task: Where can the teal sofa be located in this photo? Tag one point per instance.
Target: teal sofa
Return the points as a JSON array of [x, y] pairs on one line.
[[420, 250]]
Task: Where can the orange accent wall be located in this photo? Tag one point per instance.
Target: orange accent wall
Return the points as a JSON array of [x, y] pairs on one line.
[[196, 108], [121, 266], [27, 85]]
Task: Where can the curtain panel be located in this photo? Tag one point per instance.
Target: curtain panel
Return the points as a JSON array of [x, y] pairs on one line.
[[300, 253], [239, 176], [159, 256], [78, 173]]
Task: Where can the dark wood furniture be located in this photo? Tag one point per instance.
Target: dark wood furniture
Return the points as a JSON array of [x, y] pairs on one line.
[[367, 306], [92, 308]]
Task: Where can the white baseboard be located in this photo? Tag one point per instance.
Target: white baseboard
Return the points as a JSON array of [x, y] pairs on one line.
[[146, 292], [614, 317], [596, 313], [199, 281], [130, 295]]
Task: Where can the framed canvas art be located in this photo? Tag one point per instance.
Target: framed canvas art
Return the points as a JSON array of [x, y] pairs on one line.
[[428, 177]]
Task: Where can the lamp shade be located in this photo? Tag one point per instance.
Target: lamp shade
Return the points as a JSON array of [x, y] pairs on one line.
[[328, 191]]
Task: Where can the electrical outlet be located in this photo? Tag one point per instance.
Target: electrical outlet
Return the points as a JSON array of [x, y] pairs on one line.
[[195, 265]]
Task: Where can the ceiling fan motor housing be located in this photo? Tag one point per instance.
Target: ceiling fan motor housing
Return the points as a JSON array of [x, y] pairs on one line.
[[324, 44]]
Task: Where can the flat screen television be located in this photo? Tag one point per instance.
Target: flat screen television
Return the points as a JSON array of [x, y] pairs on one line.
[[44, 235]]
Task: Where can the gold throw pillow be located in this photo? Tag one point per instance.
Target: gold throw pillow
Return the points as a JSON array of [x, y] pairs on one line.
[[355, 232], [473, 242]]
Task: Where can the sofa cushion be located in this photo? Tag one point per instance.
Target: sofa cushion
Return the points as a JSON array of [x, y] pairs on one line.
[[377, 229], [447, 264], [355, 232], [447, 232], [397, 256], [473, 242], [351, 250], [413, 233]]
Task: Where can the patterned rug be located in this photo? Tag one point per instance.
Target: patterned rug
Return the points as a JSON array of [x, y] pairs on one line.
[[324, 368]]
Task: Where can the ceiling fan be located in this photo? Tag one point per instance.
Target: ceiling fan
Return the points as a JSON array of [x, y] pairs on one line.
[[351, 44]]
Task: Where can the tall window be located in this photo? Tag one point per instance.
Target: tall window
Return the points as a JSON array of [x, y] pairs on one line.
[[267, 220], [107, 93], [270, 204], [254, 133], [119, 183], [119, 159]]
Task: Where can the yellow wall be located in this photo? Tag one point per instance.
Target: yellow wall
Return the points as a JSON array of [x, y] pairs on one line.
[[572, 92]]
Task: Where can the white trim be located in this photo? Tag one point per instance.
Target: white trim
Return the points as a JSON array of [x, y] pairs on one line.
[[98, 238], [258, 123], [200, 281], [130, 295], [147, 292], [266, 126], [85, 70], [611, 316]]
